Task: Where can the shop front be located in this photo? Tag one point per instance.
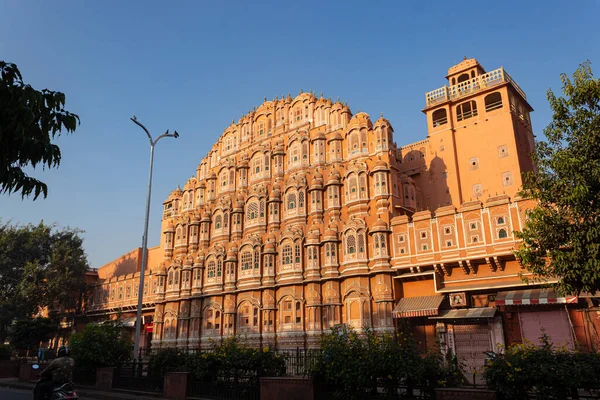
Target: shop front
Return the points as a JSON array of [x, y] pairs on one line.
[[470, 333], [418, 310], [540, 312]]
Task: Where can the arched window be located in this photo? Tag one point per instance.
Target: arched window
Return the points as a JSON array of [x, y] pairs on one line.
[[305, 152], [301, 200], [178, 235], [294, 153], [291, 201], [218, 221], [170, 278], [361, 243], [252, 212], [364, 144], [297, 253], [286, 255], [353, 187], [362, 185], [223, 179], [353, 144], [463, 77], [246, 260], [211, 270], [502, 234], [466, 110], [257, 165], [439, 117], [350, 244], [219, 267], [256, 258], [500, 220], [493, 101]]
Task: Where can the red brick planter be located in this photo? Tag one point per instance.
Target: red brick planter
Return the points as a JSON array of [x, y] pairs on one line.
[[288, 388]]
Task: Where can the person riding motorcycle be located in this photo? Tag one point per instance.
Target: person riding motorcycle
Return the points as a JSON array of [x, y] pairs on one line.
[[59, 372]]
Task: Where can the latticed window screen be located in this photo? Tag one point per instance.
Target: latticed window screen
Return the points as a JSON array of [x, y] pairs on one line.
[[291, 201], [351, 244], [362, 186], [301, 199], [286, 254], [211, 270], [252, 210], [297, 253], [256, 258], [361, 243], [246, 260]]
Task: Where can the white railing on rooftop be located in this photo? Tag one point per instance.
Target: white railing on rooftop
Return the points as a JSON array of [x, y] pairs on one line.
[[472, 85]]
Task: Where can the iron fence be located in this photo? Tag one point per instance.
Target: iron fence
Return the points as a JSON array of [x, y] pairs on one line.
[[299, 362], [136, 376]]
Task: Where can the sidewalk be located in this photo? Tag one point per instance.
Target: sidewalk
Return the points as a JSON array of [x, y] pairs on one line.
[[86, 391]]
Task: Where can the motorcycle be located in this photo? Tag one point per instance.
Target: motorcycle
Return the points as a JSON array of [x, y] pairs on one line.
[[64, 391]]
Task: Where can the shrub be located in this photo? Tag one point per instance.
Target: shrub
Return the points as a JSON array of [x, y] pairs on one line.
[[99, 346], [230, 360], [543, 370], [355, 365], [5, 352]]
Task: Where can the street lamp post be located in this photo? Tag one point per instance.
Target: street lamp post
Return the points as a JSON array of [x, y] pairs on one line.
[[138, 318]]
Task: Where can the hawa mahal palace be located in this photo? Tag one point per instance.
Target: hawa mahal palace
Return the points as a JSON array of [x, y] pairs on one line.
[[303, 216]]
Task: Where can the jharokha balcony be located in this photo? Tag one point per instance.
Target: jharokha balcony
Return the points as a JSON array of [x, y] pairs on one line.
[[461, 89]]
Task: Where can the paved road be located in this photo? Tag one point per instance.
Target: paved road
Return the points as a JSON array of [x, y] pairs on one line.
[[13, 394], [17, 394]]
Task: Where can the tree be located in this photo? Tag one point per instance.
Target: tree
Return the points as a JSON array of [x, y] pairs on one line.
[[99, 346], [40, 266], [29, 120], [27, 334], [561, 238]]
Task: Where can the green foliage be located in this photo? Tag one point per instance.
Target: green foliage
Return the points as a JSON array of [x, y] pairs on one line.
[[547, 372], [29, 120], [98, 346], [229, 360], [561, 238], [353, 365], [27, 334], [5, 352], [40, 266]]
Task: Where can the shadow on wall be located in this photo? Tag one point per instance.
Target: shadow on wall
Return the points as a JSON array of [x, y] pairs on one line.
[[431, 186], [127, 264]]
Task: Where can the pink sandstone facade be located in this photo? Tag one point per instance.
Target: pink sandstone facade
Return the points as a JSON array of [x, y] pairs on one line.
[[303, 216]]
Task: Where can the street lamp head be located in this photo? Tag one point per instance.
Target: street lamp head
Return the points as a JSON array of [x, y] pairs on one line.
[[134, 118], [175, 135]]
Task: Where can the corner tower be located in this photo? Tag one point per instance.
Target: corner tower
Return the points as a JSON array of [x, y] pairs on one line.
[[480, 132]]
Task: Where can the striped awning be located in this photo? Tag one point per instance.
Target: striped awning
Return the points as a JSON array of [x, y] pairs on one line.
[[467, 313], [422, 306], [532, 297]]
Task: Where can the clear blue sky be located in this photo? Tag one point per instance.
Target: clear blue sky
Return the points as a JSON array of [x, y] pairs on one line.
[[193, 66]]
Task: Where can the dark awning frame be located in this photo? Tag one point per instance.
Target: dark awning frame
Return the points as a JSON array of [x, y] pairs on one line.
[[467, 313]]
